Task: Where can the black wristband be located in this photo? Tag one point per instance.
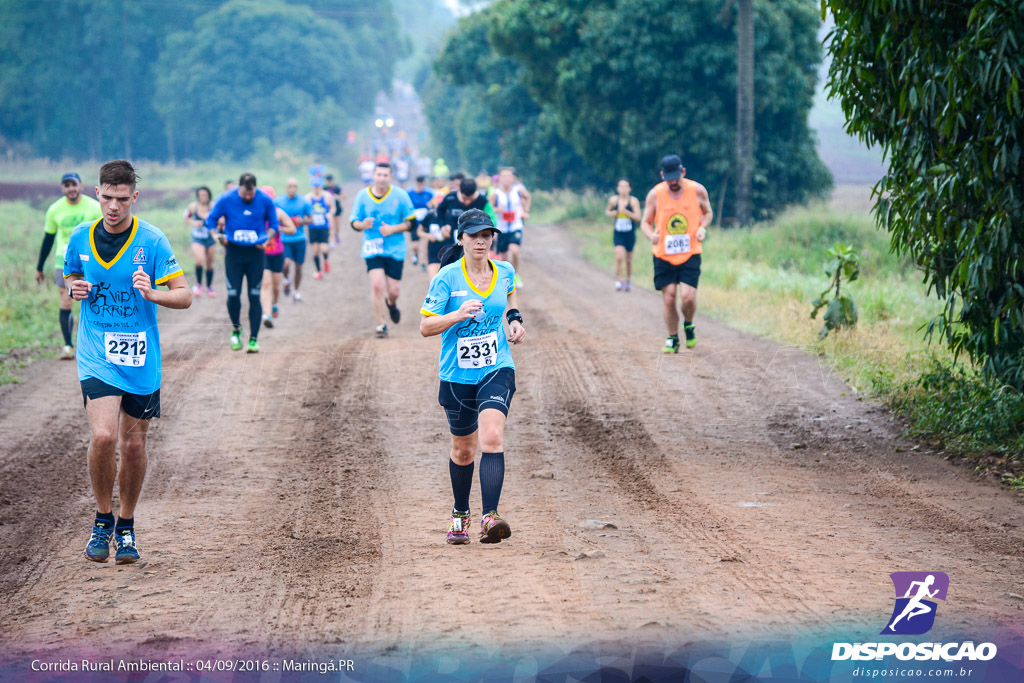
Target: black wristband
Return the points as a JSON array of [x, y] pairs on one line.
[[514, 314]]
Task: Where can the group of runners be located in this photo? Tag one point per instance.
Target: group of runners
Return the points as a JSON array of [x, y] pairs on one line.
[[115, 263]]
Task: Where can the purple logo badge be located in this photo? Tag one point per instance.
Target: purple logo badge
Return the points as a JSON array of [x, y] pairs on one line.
[[916, 592]]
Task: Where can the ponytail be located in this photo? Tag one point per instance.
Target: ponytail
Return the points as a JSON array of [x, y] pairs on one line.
[[450, 254]]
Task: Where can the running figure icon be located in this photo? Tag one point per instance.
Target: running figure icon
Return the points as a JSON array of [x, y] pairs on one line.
[[917, 594]]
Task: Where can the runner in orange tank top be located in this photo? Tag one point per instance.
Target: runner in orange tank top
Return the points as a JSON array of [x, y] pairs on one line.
[[677, 214]]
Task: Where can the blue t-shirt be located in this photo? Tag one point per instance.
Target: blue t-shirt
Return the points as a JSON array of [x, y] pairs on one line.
[[118, 338], [474, 348], [245, 223], [420, 200], [321, 212], [295, 206], [393, 208]]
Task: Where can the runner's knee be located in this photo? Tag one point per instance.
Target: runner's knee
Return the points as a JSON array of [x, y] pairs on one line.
[[104, 439]]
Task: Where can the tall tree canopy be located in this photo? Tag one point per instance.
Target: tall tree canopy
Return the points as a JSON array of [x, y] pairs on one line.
[[937, 85]]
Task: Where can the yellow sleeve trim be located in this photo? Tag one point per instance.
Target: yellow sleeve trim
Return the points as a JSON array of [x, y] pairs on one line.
[[426, 312], [73, 274], [173, 275]]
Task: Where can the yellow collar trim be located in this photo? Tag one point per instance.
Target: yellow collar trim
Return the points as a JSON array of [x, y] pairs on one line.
[[369, 191], [124, 247], [494, 278]]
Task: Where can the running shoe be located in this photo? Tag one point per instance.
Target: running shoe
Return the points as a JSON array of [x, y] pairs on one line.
[[423, 267], [236, 340], [254, 346], [296, 297], [273, 312], [493, 528], [318, 276], [327, 266], [210, 293], [458, 528], [68, 353], [396, 315], [519, 282], [691, 335], [381, 332], [415, 259], [287, 286], [671, 344], [197, 290], [268, 322], [124, 545], [627, 286], [98, 549], [618, 285]]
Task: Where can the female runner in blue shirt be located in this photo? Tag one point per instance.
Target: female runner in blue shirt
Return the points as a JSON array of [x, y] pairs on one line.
[[466, 305]]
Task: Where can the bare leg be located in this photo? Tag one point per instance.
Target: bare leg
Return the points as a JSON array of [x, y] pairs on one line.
[[378, 289], [491, 430], [629, 266], [668, 298], [688, 306], [620, 260], [103, 415], [267, 294], [133, 463], [464, 449]]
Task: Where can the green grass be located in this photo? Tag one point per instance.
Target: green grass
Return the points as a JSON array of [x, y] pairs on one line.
[[762, 280]]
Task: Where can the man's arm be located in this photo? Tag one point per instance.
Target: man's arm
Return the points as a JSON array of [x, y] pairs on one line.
[[177, 295], [650, 207], [49, 237], [706, 214], [527, 201]]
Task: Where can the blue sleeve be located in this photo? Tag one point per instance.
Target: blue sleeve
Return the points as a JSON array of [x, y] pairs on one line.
[[307, 209], [406, 210], [72, 262], [510, 277], [357, 209], [271, 215], [167, 266], [216, 213], [437, 296]]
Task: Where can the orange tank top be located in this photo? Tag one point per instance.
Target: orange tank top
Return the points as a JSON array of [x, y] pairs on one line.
[[677, 222]]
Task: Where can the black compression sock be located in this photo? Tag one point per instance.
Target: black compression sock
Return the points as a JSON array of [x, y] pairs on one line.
[[123, 523], [492, 475], [209, 277], [66, 321], [316, 261], [462, 483], [199, 275], [107, 517]]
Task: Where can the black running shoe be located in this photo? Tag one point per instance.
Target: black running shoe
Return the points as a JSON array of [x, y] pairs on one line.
[[396, 315]]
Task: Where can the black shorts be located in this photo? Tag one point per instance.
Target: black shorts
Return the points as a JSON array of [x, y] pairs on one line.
[[414, 235], [507, 238], [434, 250], [392, 267], [666, 273], [274, 262], [463, 402], [624, 238], [139, 406], [319, 235]]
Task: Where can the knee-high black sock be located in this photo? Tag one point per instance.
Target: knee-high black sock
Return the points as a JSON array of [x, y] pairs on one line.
[[255, 314], [462, 484], [492, 475], [199, 275], [316, 261], [209, 276], [66, 321]]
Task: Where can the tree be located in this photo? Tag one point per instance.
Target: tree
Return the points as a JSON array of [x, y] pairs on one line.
[[937, 86], [632, 80], [744, 109]]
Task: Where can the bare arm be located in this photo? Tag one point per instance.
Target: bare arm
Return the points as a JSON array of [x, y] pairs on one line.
[[432, 325], [177, 295], [287, 225], [634, 209], [610, 209], [706, 214], [516, 331], [647, 224]]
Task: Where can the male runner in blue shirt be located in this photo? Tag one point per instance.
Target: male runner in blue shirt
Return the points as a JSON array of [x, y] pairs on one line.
[[113, 266]]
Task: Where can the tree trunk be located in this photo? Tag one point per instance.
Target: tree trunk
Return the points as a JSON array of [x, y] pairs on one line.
[[744, 110]]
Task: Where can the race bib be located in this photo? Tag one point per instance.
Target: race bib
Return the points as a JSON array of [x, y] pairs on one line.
[[623, 224], [200, 232], [373, 247], [508, 216], [477, 352], [125, 348], [677, 244], [246, 236], [420, 213], [319, 220], [435, 231]]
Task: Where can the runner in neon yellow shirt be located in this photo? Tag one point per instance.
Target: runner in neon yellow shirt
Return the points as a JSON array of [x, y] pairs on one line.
[[61, 219]]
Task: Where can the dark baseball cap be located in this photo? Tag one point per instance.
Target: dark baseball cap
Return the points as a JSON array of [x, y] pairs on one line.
[[70, 176], [473, 221], [671, 166]]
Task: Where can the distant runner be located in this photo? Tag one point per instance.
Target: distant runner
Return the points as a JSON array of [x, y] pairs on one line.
[[382, 212], [467, 305], [250, 219], [63, 216], [453, 205], [114, 266], [320, 229], [677, 213], [420, 195], [273, 263], [625, 209], [301, 213], [512, 207], [339, 206], [204, 246]]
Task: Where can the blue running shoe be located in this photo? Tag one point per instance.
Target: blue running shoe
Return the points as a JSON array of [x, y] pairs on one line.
[[124, 543], [98, 549]]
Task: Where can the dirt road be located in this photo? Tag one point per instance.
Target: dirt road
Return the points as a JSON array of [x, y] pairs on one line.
[[297, 499]]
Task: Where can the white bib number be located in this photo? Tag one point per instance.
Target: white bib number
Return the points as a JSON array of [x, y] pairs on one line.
[[246, 236], [623, 224], [420, 214], [677, 244], [319, 220], [477, 352], [435, 232], [125, 348], [373, 247], [200, 232]]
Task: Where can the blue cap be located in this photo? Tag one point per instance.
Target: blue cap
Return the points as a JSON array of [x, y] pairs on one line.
[[316, 181], [70, 176]]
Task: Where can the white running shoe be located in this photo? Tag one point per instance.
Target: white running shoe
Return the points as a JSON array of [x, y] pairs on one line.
[[296, 296], [197, 289], [618, 285]]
